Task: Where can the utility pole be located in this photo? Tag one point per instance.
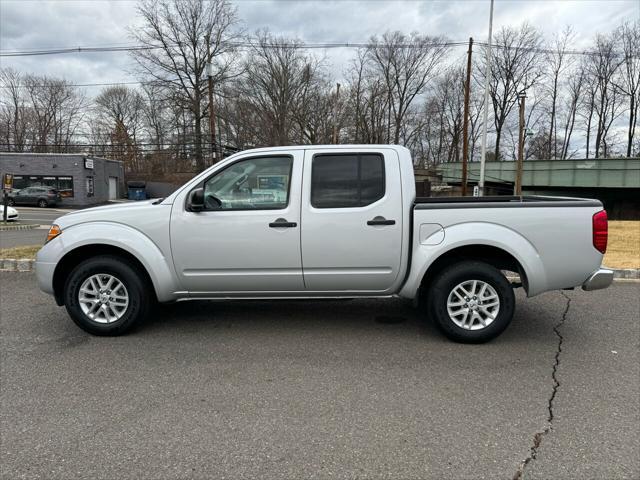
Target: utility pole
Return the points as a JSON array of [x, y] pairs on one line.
[[212, 115], [517, 189], [483, 151], [335, 115], [465, 123]]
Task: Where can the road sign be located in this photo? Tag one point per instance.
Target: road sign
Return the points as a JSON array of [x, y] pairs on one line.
[[7, 182]]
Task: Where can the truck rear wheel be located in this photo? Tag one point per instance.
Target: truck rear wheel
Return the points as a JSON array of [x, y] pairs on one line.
[[106, 296], [471, 301]]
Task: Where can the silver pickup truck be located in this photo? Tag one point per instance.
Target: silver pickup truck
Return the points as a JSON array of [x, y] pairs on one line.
[[321, 222]]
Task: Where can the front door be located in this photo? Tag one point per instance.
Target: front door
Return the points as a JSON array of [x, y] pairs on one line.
[[351, 220], [247, 240]]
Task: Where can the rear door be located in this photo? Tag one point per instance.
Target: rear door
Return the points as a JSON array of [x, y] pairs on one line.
[[351, 220]]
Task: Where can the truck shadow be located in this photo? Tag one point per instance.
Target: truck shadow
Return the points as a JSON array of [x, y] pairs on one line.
[[533, 321]]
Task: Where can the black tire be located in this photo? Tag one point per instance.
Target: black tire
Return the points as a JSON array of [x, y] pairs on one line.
[[449, 279], [11, 202], [140, 298], [42, 203]]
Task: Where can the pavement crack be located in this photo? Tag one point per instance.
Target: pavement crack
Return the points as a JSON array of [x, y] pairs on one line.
[[537, 438]]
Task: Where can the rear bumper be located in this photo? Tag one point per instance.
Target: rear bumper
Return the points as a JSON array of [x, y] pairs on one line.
[[599, 279]]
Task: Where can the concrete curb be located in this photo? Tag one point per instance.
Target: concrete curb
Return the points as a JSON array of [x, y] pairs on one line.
[[27, 264], [626, 274], [16, 264], [6, 228]]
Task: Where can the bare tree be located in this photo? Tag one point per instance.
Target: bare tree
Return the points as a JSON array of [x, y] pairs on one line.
[[57, 111], [315, 114], [516, 67], [558, 61], [629, 78], [476, 105], [602, 67], [14, 114], [120, 109], [406, 63], [278, 77], [445, 107], [575, 88], [368, 101], [176, 58]]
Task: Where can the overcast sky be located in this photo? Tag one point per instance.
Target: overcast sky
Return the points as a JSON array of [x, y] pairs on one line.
[[26, 24]]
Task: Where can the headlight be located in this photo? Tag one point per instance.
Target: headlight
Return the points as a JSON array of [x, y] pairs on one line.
[[54, 231]]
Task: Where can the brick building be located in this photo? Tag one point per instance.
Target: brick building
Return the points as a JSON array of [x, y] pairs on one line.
[[81, 179]]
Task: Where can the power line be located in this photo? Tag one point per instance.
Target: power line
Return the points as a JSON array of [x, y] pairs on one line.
[[275, 45], [237, 44], [112, 146], [108, 84]]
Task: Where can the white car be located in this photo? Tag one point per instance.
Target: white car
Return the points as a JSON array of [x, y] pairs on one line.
[[12, 214]]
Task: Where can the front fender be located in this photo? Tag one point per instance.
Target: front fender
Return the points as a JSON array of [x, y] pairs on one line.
[[476, 233], [158, 265]]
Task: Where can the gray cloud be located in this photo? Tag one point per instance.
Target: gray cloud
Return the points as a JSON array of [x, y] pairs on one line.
[[47, 24]]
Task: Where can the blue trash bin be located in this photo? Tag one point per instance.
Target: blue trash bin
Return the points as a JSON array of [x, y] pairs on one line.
[[136, 190]]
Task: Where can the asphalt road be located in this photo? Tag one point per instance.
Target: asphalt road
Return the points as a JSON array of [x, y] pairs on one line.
[[31, 216], [320, 390], [39, 216], [17, 238]]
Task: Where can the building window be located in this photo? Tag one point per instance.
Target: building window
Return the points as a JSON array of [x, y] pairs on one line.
[[64, 185], [89, 186]]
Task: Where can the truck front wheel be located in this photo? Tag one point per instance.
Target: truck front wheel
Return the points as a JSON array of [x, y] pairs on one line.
[[472, 302], [106, 296]]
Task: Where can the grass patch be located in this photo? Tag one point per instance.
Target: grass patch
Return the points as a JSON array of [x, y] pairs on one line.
[[28, 251], [623, 248]]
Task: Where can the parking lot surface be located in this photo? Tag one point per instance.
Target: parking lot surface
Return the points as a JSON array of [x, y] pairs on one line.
[[338, 389], [18, 238], [39, 216]]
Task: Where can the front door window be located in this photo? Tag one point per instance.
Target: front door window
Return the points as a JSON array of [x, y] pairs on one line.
[[253, 184]]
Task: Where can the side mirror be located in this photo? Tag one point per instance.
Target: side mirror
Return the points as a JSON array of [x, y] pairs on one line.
[[195, 203]]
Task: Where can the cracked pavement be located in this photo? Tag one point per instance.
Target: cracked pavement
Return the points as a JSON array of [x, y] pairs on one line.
[[320, 390]]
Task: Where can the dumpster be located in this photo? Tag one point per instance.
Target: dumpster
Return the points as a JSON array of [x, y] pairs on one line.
[[137, 190]]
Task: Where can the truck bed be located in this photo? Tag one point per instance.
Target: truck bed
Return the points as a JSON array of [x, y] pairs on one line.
[[553, 234], [503, 201]]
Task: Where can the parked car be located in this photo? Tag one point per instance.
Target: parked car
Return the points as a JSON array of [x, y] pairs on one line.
[[39, 196], [321, 222], [12, 214]]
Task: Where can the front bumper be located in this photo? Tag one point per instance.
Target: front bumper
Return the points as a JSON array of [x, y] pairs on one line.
[[44, 275], [599, 279]]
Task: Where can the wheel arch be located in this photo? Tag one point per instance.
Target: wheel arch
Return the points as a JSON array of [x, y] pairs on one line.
[[74, 257], [490, 254], [81, 241]]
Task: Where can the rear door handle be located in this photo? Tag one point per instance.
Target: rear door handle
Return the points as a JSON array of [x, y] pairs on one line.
[[282, 223], [381, 221]]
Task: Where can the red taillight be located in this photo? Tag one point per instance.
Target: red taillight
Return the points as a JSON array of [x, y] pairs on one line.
[[600, 231]]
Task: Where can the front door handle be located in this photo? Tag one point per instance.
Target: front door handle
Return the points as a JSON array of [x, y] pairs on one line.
[[381, 221], [282, 223]]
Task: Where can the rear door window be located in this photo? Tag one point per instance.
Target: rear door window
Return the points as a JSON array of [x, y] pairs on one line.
[[343, 181]]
